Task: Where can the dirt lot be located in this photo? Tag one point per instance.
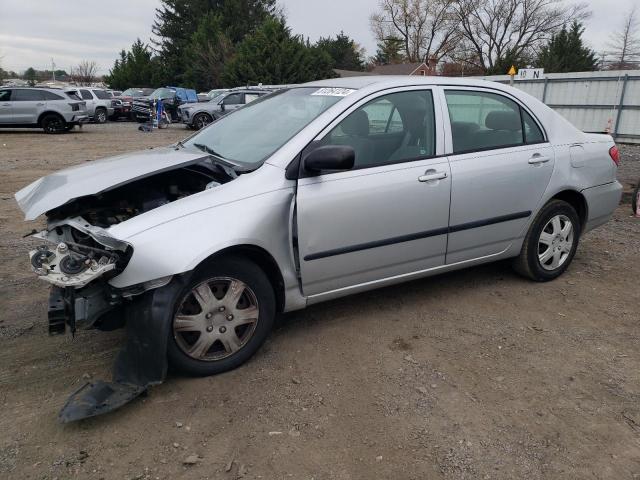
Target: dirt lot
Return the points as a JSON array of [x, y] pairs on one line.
[[471, 375]]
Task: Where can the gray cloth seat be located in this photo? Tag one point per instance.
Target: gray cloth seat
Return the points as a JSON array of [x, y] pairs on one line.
[[356, 134]]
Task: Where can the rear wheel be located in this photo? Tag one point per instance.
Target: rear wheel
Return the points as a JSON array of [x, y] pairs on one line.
[[221, 318], [53, 123], [551, 242]]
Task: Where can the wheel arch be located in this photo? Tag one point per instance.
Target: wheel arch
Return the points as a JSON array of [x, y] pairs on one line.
[[49, 112], [260, 257], [577, 201]]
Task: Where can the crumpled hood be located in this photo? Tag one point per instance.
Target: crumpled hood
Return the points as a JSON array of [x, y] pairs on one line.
[[99, 176]]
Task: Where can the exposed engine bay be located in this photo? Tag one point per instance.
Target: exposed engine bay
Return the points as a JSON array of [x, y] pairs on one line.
[[83, 251]]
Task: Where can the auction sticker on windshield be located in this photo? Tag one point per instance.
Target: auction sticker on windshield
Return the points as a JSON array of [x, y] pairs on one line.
[[333, 92]]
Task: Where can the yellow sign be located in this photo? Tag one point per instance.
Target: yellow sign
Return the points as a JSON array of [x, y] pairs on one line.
[[512, 71]]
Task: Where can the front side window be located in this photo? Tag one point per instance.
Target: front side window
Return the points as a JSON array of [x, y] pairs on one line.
[[86, 95], [482, 120], [393, 128], [233, 99], [101, 94], [25, 95]]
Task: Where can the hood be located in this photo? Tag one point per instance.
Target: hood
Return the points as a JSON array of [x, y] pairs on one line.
[[99, 176]]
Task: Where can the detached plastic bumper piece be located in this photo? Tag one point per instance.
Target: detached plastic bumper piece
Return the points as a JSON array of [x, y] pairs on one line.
[[140, 364]]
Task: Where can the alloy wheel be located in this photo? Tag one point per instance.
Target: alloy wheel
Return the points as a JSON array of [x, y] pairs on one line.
[[555, 242], [216, 319]]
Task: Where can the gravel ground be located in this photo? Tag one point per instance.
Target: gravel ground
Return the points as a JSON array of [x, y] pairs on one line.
[[476, 374]]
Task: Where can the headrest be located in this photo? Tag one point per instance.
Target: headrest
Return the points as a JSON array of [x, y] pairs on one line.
[[356, 124], [503, 120]]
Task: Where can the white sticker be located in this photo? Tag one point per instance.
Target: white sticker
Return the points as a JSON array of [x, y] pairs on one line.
[[333, 92]]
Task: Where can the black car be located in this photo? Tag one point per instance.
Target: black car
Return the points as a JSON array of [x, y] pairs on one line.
[[172, 98]]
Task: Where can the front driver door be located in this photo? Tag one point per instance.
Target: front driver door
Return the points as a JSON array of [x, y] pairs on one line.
[[388, 216]]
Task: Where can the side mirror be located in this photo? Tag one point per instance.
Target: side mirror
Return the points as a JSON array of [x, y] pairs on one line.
[[330, 157]]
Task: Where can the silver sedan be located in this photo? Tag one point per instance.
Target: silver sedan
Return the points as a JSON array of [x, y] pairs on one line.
[[312, 193]]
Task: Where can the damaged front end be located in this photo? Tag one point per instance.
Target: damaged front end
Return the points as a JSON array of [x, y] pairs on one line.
[[79, 257]]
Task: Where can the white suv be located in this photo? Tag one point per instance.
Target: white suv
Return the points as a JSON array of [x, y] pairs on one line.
[[50, 109], [99, 103]]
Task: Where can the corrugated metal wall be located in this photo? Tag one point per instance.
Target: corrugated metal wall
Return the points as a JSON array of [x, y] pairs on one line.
[[592, 101]]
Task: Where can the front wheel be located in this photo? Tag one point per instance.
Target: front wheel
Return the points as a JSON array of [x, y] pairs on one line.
[[551, 242], [101, 115], [201, 120], [221, 317]]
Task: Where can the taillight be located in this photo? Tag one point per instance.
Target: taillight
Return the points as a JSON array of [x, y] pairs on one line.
[[74, 107], [614, 153]]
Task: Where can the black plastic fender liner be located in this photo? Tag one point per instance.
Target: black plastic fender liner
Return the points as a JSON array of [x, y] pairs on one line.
[[142, 362]]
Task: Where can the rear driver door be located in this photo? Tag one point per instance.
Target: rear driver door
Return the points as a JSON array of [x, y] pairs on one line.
[[500, 167], [6, 108]]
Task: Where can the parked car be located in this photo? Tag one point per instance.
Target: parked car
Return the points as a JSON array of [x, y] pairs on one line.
[[114, 93], [50, 109], [201, 114], [126, 98], [211, 94], [99, 105], [316, 192], [172, 98]]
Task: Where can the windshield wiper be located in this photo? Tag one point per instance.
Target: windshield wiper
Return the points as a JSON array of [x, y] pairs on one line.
[[209, 150]]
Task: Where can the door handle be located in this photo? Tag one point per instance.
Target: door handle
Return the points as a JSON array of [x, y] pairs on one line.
[[428, 177], [6, 104], [537, 158], [39, 104]]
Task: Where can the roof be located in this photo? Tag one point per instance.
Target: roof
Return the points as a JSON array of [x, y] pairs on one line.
[[391, 81], [350, 73], [397, 68]]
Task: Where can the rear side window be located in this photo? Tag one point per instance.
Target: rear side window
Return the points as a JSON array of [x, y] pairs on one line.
[[5, 95], [532, 132], [86, 95], [481, 121], [52, 96], [27, 95]]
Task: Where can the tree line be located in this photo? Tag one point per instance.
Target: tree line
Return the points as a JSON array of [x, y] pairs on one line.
[[207, 44]]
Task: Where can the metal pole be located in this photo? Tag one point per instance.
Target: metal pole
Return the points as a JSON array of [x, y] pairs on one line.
[[620, 105], [544, 90]]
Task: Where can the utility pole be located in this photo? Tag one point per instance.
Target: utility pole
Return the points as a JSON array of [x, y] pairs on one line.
[[53, 70]]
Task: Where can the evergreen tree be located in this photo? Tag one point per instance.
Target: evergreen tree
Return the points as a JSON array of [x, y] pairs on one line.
[[178, 20], [272, 55], [566, 52], [135, 68], [344, 52], [389, 52], [504, 62], [208, 52], [30, 76]]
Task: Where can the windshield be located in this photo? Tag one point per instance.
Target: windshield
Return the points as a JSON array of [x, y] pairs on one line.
[[215, 93], [163, 93], [250, 135], [132, 92]]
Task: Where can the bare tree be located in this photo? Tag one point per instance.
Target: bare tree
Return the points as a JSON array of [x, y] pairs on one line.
[[84, 73], [427, 28], [496, 29], [624, 45]]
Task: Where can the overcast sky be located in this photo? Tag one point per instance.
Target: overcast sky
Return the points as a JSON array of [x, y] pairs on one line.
[[32, 32]]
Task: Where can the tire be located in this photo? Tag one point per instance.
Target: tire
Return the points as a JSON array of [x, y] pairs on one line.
[[559, 241], [53, 123], [100, 115], [228, 348], [201, 120], [635, 198]]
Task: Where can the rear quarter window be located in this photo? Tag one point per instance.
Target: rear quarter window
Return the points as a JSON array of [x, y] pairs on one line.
[[52, 96], [73, 96]]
